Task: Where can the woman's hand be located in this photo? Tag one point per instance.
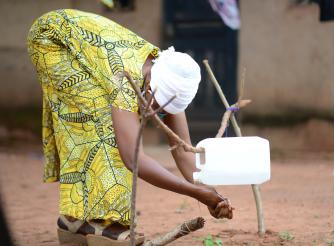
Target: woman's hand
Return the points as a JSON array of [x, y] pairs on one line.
[[219, 206], [222, 210]]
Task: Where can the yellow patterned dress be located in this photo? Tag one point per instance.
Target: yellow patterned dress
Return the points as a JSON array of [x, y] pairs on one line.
[[78, 56]]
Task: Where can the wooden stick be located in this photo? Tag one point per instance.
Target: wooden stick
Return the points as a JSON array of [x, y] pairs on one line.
[[221, 95], [166, 129], [224, 123], [181, 230], [161, 107], [135, 174], [150, 99], [146, 113], [242, 84], [227, 115], [255, 188], [259, 209]]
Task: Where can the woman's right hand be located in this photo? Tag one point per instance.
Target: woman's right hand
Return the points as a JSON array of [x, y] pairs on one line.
[[219, 206]]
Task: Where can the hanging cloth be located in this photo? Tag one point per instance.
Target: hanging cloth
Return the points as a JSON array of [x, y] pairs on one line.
[[228, 11]]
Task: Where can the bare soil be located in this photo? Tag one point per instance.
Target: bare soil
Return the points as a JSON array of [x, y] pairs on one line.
[[298, 201]]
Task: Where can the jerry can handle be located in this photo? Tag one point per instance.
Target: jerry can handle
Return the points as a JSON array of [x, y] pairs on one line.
[[200, 159]]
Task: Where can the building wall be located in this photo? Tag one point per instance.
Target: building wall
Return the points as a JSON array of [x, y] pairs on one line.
[[288, 55], [19, 86], [287, 52]]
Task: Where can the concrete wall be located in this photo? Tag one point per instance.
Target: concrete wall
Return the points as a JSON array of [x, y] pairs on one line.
[[19, 86], [287, 52], [289, 57]]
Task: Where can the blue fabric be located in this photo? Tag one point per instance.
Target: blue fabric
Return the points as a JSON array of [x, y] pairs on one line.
[[162, 115]]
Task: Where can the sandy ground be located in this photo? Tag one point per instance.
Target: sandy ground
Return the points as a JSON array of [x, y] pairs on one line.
[[299, 199]]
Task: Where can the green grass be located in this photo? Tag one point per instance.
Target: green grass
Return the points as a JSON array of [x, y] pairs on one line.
[[286, 236], [212, 241]]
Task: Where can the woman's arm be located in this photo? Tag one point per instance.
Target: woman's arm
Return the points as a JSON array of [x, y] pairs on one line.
[[185, 161], [126, 126]]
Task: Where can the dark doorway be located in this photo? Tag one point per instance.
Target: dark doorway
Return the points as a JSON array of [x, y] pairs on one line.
[[192, 26]]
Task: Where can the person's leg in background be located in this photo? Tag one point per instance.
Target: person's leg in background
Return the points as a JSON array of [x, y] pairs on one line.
[[5, 237]]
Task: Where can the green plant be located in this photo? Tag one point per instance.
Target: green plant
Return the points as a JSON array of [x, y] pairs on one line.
[[210, 241], [286, 235]]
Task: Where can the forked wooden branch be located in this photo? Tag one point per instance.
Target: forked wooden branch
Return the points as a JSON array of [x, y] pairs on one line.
[[135, 173], [227, 115], [255, 188], [180, 142], [181, 230], [146, 113]]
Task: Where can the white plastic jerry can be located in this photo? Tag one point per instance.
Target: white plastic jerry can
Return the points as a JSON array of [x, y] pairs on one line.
[[233, 161]]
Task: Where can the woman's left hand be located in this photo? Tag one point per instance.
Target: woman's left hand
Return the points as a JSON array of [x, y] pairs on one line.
[[223, 209]]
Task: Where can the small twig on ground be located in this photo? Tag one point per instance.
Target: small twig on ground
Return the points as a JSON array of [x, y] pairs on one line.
[[181, 230], [255, 188]]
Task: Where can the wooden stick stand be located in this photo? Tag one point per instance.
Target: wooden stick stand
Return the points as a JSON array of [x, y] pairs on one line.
[[255, 188], [146, 113]]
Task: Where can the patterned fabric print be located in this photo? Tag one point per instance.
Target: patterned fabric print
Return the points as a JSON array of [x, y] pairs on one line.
[[78, 58]]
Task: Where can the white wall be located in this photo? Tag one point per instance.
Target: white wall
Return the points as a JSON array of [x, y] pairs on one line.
[[287, 52], [289, 57]]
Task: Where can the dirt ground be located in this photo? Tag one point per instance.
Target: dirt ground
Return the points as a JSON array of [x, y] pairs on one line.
[[298, 202]]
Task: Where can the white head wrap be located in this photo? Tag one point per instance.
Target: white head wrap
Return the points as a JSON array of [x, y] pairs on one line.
[[175, 73]]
